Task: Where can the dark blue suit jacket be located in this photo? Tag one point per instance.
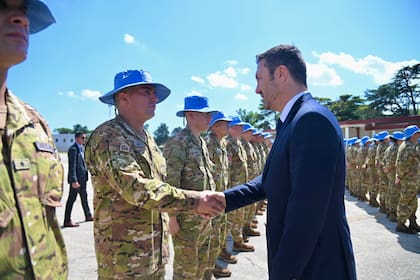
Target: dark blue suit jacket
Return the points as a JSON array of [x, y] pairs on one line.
[[77, 167], [303, 179]]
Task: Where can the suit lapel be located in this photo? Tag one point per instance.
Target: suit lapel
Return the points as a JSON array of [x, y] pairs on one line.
[[282, 126]]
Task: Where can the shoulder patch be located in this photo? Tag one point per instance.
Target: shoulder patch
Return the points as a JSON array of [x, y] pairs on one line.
[[44, 147], [124, 148]]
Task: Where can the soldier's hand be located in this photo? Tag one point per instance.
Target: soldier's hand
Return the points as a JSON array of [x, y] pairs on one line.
[[75, 185], [211, 204], [173, 225]]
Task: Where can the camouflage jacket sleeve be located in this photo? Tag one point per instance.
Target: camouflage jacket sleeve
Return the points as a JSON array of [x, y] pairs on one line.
[[407, 162], [113, 160]]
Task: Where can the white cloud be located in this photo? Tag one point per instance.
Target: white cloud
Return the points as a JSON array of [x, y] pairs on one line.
[[244, 71], [245, 87], [322, 75], [197, 79], [84, 94], [129, 39], [380, 70], [232, 62], [218, 79], [90, 94], [240, 96], [230, 71]]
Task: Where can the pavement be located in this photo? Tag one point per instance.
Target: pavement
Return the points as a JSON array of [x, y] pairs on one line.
[[380, 252]]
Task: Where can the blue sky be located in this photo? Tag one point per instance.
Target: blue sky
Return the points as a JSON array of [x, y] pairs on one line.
[[208, 48]]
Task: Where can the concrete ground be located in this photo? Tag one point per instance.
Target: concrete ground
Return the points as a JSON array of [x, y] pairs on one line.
[[380, 252]]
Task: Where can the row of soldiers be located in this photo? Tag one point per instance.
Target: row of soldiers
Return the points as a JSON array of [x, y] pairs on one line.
[[384, 170], [234, 152]]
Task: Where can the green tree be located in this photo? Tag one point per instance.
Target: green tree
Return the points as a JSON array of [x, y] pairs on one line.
[[346, 107], [63, 130], [406, 82], [176, 130], [386, 100], [161, 134], [76, 128]]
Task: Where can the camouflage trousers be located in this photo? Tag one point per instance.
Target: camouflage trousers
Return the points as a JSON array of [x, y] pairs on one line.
[[383, 189], [191, 247], [373, 185], [407, 205], [250, 212], [363, 187], [351, 174], [393, 193], [218, 238], [236, 220]]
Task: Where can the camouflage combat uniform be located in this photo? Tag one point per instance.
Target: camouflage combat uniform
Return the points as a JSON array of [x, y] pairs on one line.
[[383, 179], [218, 155], [393, 191], [238, 175], [31, 186], [351, 168], [131, 232], [372, 174], [252, 165], [361, 188], [407, 168], [189, 167]]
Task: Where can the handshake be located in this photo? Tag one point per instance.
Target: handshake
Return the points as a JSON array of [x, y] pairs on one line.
[[211, 204]]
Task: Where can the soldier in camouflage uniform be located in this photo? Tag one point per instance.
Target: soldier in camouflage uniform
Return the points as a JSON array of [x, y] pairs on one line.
[[372, 173], [128, 173], [390, 157], [189, 167], [362, 187], [253, 171], [216, 144], [238, 175], [383, 142], [351, 164], [31, 174], [407, 168]]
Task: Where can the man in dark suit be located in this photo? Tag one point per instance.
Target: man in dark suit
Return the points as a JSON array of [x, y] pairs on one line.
[[307, 232], [77, 178]]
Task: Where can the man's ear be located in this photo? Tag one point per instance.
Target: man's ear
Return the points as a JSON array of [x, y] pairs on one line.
[[281, 72]]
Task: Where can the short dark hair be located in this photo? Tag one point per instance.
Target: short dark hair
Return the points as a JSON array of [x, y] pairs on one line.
[[79, 134], [287, 55]]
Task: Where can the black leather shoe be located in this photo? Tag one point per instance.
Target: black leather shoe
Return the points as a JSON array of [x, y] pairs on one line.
[[70, 224]]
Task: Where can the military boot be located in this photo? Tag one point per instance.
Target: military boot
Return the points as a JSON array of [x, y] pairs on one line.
[[373, 202], [221, 272], [208, 275], [413, 224], [403, 228], [242, 247], [227, 257], [247, 230], [392, 217]]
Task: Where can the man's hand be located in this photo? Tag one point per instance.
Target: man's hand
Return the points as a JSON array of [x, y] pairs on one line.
[[75, 185], [211, 204]]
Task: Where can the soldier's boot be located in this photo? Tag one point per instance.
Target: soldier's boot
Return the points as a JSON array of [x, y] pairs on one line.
[[403, 228], [373, 202], [227, 257], [259, 212], [254, 224], [413, 224], [208, 275], [392, 217], [245, 238], [248, 231], [242, 247], [221, 272]]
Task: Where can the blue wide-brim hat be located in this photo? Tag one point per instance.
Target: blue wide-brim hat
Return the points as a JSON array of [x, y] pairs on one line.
[[196, 103], [397, 135], [219, 116], [39, 15], [247, 127], [236, 121], [382, 135], [131, 78], [410, 131]]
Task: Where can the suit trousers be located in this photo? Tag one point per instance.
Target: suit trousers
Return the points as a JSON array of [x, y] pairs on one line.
[[72, 198]]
